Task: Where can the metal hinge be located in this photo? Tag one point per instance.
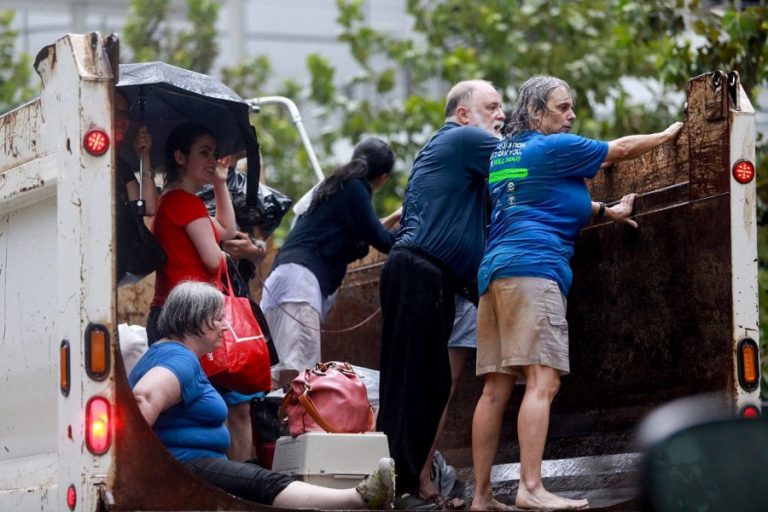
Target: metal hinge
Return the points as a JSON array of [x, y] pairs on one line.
[[106, 499]]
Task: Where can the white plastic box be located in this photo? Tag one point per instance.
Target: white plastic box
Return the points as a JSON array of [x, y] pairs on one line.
[[330, 460]]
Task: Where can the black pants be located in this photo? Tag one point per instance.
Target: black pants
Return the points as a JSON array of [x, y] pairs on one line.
[[243, 479], [417, 305]]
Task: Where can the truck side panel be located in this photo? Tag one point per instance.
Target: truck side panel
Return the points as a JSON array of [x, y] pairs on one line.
[[20, 135], [28, 234], [28, 440]]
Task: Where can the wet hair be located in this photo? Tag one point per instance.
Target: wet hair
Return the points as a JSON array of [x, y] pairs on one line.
[[181, 138], [371, 158], [190, 307], [460, 94], [531, 102]]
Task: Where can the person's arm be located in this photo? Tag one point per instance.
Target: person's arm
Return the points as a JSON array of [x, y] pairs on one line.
[[200, 232], [635, 145], [365, 221], [619, 213], [393, 219], [225, 213], [156, 391], [143, 144], [243, 246]]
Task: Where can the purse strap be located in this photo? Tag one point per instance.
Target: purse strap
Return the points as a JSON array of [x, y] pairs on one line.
[[222, 276], [309, 406]]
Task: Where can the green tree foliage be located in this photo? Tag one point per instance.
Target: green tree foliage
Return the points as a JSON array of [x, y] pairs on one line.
[[150, 37], [15, 70], [285, 162], [590, 43]]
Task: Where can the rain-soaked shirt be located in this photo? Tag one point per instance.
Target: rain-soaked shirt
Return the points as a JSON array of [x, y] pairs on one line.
[[540, 203], [444, 207]]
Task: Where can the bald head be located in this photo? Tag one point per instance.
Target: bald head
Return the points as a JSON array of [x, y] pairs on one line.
[[461, 94], [475, 103]]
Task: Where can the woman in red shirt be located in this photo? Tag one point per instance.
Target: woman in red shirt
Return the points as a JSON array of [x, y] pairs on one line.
[[189, 236]]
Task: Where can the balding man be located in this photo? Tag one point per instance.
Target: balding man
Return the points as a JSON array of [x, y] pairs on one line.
[[436, 254]]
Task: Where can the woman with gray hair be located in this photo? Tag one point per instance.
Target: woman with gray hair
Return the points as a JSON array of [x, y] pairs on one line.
[[540, 203], [187, 413]]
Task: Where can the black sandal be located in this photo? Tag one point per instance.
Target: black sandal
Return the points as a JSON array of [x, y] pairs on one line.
[[445, 503], [409, 502]]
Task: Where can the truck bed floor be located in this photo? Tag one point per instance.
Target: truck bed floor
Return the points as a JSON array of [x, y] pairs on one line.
[[609, 482]]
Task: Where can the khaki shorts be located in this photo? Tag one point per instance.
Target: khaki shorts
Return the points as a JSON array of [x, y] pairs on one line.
[[521, 322]]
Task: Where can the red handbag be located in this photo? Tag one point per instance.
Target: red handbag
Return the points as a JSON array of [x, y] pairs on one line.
[[329, 398], [241, 363]]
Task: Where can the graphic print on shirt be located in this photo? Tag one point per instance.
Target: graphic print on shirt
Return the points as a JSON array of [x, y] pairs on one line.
[[505, 166]]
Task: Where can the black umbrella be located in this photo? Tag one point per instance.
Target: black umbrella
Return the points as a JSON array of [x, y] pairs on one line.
[[161, 96]]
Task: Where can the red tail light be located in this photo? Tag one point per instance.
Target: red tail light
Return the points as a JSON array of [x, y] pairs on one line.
[[750, 412], [71, 497], [96, 142], [97, 426], [743, 171]]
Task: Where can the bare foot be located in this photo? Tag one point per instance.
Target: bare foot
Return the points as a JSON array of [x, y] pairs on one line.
[[488, 503], [427, 489], [543, 499]]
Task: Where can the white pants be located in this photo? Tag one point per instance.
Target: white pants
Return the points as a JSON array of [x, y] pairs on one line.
[[295, 328]]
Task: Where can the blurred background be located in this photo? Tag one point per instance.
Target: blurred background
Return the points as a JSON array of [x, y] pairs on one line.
[[382, 67]]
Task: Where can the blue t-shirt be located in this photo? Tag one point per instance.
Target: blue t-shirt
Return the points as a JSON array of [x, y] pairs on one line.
[[444, 205], [193, 428], [540, 203]]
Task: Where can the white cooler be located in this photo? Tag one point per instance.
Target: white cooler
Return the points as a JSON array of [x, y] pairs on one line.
[[330, 460]]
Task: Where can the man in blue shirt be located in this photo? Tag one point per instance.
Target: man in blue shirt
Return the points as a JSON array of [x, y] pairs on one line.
[[540, 203], [436, 254]]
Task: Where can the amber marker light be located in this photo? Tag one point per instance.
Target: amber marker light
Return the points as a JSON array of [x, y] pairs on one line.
[[97, 361], [747, 359], [64, 367]]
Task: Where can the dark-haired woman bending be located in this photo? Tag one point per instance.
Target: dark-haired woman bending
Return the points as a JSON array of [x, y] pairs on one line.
[[336, 229]]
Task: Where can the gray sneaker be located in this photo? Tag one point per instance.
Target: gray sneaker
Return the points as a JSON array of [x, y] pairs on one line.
[[378, 488]]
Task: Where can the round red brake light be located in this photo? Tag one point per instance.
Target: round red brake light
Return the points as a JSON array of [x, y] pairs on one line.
[[96, 142], [750, 412], [743, 171]]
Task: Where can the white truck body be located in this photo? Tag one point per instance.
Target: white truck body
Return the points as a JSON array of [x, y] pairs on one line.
[[56, 235]]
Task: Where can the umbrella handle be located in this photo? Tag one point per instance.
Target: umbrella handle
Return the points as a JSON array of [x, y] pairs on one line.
[[140, 205]]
